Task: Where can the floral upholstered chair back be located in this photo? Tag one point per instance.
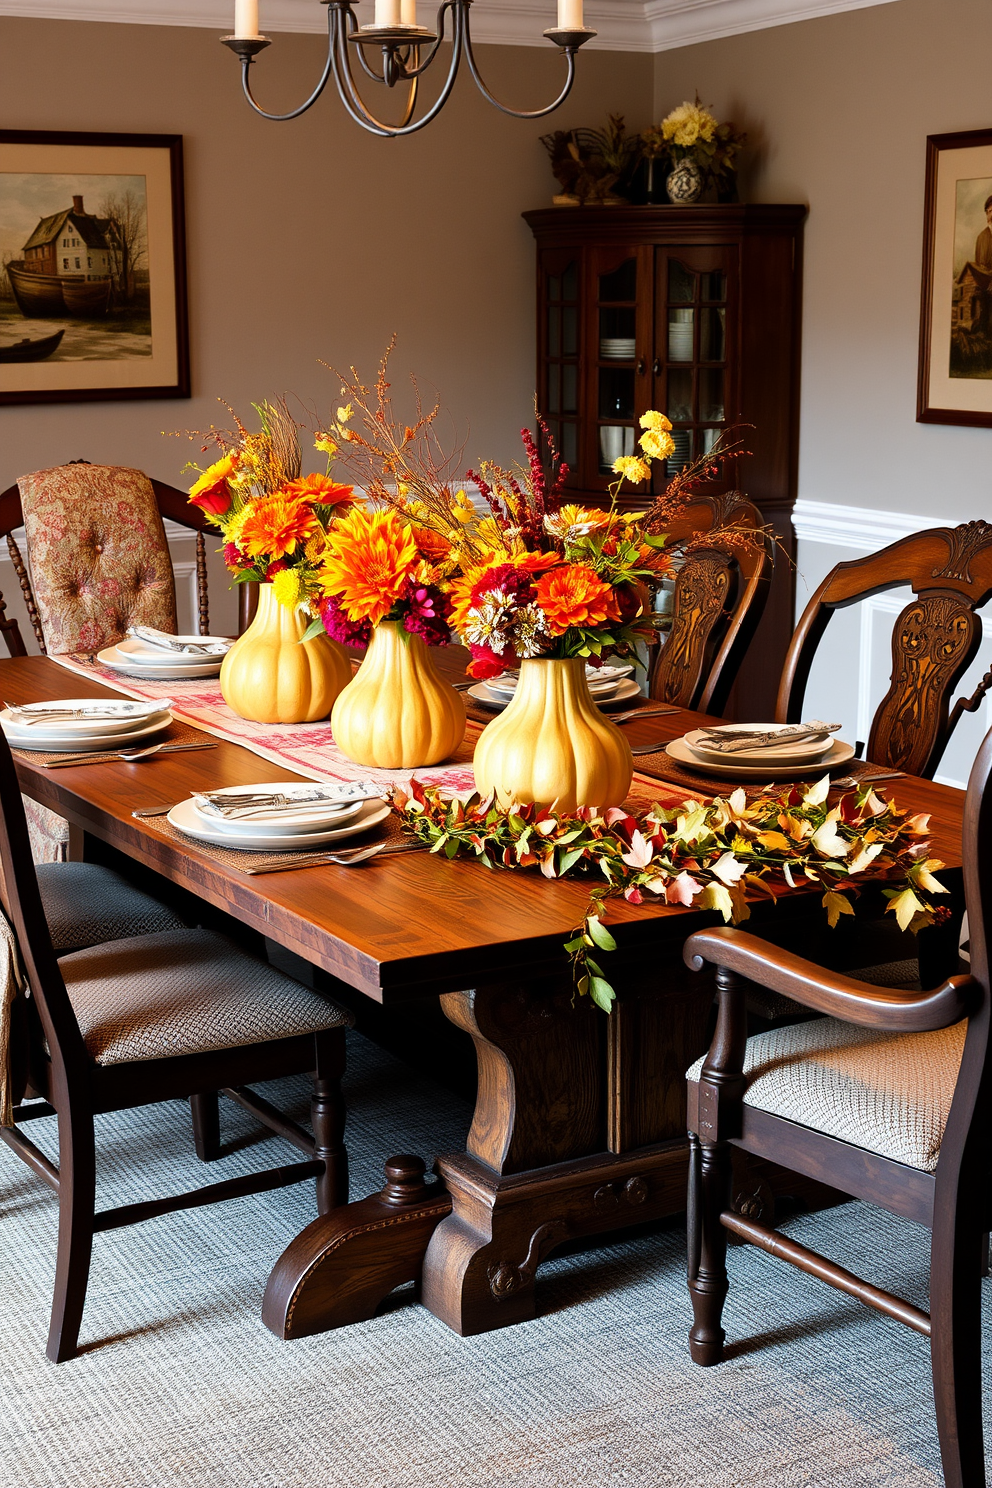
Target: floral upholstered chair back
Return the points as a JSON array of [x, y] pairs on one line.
[[97, 555]]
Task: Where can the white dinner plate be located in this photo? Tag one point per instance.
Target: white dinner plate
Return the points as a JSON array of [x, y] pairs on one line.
[[322, 816], [149, 655], [113, 658], [793, 754], [130, 715], [32, 738], [185, 818], [598, 679], [626, 689], [837, 754]]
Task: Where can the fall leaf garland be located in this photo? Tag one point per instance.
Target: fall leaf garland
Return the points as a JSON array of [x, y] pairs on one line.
[[708, 855]]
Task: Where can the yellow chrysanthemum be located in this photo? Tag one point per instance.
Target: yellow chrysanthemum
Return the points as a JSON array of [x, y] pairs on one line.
[[232, 529], [687, 124], [287, 586], [655, 420], [657, 444], [633, 469], [367, 562]]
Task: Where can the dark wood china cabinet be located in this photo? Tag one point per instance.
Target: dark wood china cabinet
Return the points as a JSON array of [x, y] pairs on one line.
[[693, 310]]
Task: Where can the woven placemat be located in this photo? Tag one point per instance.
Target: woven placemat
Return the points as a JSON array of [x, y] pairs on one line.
[[241, 858], [176, 733]]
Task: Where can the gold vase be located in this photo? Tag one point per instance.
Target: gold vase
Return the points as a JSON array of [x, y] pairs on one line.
[[397, 713], [553, 744], [272, 675]]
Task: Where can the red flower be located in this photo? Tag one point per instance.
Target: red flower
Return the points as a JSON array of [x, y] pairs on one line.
[[234, 558], [488, 663]]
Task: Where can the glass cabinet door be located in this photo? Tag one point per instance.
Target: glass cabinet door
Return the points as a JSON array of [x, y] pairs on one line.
[[620, 333], [696, 298], [560, 345]]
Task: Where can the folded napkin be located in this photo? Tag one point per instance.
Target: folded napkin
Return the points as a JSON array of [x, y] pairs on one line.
[[732, 741], [238, 805], [32, 713], [209, 646]]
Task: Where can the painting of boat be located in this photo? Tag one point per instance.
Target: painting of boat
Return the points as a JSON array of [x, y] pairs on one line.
[[31, 351], [57, 294]]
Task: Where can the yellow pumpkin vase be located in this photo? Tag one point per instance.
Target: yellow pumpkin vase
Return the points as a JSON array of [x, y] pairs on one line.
[[272, 675], [397, 713]]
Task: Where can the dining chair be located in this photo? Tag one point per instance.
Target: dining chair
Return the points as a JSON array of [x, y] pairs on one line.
[[719, 598], [934, 641], [152, 1018], [887, 1097], [97, 562]]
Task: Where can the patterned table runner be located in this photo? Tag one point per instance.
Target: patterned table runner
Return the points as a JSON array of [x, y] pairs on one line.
[[309, 748]]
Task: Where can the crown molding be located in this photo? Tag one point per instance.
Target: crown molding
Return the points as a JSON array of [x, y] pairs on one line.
[[623, 25]]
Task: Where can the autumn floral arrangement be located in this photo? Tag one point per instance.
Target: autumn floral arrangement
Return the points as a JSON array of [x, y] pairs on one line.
[[708, 856], [274, 521], [692, 132]]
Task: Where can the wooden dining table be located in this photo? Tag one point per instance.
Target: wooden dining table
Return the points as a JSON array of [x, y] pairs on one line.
[[579, 1121]]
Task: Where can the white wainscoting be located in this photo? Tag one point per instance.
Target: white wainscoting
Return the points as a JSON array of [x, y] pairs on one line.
[[852, 667], [182, 547]]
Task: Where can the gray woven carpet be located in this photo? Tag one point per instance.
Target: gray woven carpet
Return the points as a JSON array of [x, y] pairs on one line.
[[181, 1384]]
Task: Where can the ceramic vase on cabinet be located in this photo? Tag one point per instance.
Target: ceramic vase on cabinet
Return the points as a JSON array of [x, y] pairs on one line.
[[272, 675], [397, 713], [553, 744], [685, 182]]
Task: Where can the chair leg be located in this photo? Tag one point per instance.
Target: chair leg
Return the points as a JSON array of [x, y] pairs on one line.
[[77, 1204], [327, 1117], [955, 1347], [205, 1110], [710, 1183]]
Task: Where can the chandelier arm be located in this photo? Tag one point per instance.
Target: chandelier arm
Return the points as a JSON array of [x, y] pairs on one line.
[[351, 22], [295, 114], [361, 114], [423, 66], [519, 113]]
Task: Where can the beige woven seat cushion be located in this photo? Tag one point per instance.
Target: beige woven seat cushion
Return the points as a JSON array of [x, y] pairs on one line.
[[185, 992], [86, 904], [888, 1093]]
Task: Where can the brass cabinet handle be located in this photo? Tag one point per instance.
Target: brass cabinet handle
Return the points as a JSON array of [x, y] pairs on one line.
[[641, 368]]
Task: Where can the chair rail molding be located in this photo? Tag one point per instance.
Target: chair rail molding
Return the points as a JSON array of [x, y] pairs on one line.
[[623, 25], [863, 527]]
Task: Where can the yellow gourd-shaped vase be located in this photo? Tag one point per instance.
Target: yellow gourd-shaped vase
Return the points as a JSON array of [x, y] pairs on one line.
[[553, 744], [273, 676], [397, 713]]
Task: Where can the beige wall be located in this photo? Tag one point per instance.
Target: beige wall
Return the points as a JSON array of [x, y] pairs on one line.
[[839, 109], [312, 239]]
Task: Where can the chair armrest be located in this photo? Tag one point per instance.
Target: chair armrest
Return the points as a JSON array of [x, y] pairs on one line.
[[825, 991]]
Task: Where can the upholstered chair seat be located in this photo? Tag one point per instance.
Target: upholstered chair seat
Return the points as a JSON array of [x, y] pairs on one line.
[[86, 903], [887, 1093], [185, 992]]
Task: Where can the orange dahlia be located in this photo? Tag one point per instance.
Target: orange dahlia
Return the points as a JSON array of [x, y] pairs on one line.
[[320, 490], [431, 546], [276, 525], [573, 595], [367, 562]]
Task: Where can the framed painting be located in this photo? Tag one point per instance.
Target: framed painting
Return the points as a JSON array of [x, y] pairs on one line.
[[955, 371], [92, 267]]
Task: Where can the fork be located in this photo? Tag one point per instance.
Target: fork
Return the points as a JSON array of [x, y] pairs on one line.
[[347, 857], [130, 756], [845, 781], [632, 713]]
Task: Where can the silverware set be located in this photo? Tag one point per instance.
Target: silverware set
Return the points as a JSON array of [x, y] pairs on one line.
[[345, 857], [130, 756], [26, 715]]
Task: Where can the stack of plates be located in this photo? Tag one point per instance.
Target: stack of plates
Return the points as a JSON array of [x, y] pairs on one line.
[[141, 659], [115, 724], [303, 822], [811, 757], [617, 348], [608, 685]]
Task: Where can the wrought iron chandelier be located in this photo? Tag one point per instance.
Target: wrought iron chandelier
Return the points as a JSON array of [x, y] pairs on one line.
[[406, 52]]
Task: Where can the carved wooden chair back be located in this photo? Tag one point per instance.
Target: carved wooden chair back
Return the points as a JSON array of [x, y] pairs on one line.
[[887, 1098], [171, 503], [720, 594], [934, 640]]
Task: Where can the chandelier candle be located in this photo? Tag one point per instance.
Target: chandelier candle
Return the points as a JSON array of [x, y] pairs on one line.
[[570, 15], [246, 19], [387, 12], [408, 12]]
